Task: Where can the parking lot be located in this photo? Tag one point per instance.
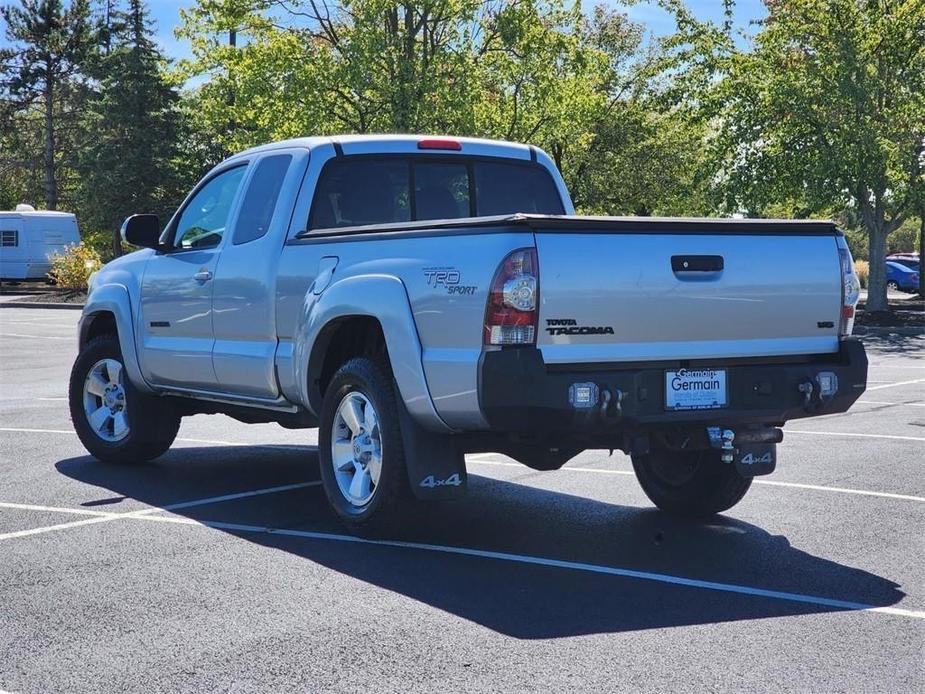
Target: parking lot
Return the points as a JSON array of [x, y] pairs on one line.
[[219, 567]]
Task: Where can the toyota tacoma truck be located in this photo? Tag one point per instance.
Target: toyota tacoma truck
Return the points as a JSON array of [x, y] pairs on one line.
[[420, 298]]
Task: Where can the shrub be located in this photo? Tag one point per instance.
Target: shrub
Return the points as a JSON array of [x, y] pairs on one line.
[[72, 268], [101, 242], [862, 270]]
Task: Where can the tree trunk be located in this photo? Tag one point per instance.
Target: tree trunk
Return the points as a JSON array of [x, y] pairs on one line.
[[51, 185], [876, 281], [116, 240]]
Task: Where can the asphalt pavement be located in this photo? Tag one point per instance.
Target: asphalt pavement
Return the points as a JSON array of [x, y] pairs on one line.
[[218, 567]]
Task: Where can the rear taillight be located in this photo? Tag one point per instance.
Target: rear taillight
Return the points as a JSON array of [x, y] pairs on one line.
[[510, 316], [850, 288]]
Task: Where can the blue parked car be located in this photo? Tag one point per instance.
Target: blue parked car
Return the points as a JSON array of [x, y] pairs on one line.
[[901, 278], [909, 260]]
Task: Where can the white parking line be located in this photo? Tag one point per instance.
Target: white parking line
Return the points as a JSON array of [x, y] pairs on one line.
[[52, 528], [18, 398], [894, 404], [894, 366], [103, 516], [841, 490], [23, 430], [211, 442], [557, 564], [227, 497], [771, 483], [3, 333], [54, 509], [897, 383], [855, 434]]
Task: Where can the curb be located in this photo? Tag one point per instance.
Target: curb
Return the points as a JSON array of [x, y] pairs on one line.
[[38, 304]]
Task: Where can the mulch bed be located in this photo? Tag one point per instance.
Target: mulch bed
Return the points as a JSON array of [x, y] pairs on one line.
[[57, 297], [907, 313], [42, 293]]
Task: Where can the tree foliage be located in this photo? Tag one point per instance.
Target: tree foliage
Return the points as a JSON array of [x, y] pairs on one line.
[[128, 165], [825, 112], [816, 110], [42, 91], [579, 85]]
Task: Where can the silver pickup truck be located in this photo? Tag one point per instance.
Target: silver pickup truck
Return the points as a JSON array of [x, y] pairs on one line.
[[420, 298]]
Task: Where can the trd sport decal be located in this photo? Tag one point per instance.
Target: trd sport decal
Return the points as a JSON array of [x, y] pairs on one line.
[[447, 278], [569, 326]]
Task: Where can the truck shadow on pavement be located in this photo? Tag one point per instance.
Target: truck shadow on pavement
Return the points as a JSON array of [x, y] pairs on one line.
[[895, 345], [520, 600]]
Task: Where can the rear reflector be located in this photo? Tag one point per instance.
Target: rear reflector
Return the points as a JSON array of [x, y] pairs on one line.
[[437, 143]]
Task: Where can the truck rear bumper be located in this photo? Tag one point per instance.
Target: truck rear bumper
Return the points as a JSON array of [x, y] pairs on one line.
[[519, 393]]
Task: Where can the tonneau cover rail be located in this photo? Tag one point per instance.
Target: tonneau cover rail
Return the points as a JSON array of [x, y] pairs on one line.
[[551, 223]]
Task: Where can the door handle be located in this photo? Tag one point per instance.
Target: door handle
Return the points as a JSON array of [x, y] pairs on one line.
[[697, 263], [202, 276]]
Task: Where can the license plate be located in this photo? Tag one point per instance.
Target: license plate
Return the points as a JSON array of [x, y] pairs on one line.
[[695, 389]]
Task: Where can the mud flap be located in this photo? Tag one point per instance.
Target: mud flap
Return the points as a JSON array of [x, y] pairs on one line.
[[754, 459], [436, 466]]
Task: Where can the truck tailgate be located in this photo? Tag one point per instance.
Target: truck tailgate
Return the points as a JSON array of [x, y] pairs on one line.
[[649, 296]]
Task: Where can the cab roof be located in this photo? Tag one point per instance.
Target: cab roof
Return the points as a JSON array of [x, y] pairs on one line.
[[400, 144]]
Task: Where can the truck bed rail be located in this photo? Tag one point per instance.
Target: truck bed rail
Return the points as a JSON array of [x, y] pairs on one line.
[[590, 224]]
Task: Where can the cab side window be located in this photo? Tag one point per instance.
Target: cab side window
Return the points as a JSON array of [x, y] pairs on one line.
[[202, 222], [260, 198]]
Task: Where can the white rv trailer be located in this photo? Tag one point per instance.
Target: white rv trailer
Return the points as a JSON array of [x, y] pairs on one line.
[[29, 238]]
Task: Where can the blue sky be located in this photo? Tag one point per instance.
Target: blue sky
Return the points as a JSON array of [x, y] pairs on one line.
[[167, 15]]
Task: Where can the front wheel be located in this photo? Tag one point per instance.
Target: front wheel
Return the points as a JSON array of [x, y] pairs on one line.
[[690, 483], [892, 286], [360, 448], [114, 420]]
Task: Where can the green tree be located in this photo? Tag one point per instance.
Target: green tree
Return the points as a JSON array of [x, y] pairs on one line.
[[582, 86], [828, 109], [128, 164], [42, 76]]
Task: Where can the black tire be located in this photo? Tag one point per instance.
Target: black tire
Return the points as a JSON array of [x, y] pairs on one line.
[[391, 497], [892, 286], [152, 421], [694, 484]]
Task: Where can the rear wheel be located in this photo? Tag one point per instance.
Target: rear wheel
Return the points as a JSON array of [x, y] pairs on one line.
[[360, 446], [115, 421], [690, 483], [893, 286]]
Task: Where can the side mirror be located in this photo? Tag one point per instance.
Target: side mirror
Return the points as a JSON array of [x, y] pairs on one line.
[[142, 230]]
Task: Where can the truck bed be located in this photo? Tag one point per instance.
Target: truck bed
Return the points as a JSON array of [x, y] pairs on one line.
[[643, 289]]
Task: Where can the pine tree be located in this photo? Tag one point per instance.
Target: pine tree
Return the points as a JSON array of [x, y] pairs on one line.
[[134, 125], [43, 75]]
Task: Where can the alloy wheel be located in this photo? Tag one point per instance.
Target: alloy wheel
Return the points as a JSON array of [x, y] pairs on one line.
[[356, 449], [104, 400]]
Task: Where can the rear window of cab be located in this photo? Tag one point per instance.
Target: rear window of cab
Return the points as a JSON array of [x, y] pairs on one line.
[[364, 190]]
